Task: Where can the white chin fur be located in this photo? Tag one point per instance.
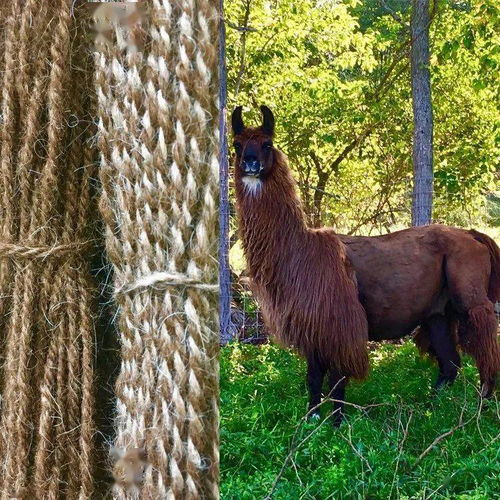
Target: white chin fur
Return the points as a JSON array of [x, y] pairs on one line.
[[252, 185]]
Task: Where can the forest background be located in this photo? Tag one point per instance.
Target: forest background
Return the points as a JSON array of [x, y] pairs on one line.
[[337, 75]]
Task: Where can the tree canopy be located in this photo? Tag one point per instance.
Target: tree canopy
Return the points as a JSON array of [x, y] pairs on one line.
[[336, 73]]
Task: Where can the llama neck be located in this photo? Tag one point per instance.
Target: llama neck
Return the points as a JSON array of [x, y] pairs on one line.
[[271, 221]]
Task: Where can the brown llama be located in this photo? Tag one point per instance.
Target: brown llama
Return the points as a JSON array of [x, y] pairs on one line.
[[327, 294]]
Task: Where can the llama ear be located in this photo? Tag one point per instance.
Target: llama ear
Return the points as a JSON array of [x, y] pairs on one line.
[[237, 121], [268, 120]]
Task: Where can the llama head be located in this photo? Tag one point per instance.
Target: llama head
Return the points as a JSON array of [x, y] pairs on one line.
[[253, 147]]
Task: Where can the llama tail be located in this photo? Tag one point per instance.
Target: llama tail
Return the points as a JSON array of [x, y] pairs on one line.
[[494, 286], [478, 337]]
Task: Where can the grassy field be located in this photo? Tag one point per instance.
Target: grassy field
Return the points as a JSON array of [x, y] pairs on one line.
[[392, 445]]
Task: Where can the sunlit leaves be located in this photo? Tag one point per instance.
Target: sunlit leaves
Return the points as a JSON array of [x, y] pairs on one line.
[[332, 68]]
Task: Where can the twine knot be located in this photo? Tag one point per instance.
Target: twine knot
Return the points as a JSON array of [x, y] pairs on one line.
[[161, 280]]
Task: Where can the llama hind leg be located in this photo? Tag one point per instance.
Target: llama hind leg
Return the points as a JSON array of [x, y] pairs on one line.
[[468, 275], [337, 384], [478, 337], [442, 346], [315, 374]]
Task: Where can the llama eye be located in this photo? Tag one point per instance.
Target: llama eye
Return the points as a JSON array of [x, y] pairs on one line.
[[237, 147], [267, 145]]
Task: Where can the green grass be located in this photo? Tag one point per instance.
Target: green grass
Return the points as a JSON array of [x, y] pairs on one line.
[[374, 454]]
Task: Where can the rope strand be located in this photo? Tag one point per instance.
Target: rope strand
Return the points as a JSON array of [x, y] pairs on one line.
[[159, 174], [46, 207]]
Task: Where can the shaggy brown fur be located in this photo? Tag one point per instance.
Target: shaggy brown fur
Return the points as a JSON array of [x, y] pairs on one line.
[[301, 276], [494, 286], [305, 280], [410, 275]]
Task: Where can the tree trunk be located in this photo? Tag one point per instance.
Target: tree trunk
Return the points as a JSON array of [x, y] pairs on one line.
[[422, 114], [318, 198]]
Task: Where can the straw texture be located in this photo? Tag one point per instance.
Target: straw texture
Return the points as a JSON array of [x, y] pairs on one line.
[[46, 303], [157, 132]]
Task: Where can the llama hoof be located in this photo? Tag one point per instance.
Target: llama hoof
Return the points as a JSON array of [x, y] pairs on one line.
[[487, 389], [443, 382], [313, 416]]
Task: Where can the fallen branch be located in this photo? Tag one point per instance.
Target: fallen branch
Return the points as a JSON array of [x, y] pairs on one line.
[[439, 438], [351, 444]]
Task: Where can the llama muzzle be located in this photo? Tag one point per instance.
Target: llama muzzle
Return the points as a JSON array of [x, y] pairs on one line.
[[252, 166]]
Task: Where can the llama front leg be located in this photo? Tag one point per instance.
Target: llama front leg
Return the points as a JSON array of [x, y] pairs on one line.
[[315, 375], [337, 384], [443, 346]]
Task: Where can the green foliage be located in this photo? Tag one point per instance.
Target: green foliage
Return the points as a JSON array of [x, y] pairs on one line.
[[374, 454], [336, 72], [465, 67]]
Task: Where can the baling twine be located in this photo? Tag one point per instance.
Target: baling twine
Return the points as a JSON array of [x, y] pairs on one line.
[[46, 304], [19, 251], [159, 172], [161, 280], [157, 127]]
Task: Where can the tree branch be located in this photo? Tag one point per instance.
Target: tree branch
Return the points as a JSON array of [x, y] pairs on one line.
[[244, 31], [352, 145], [395, 16], [314, 188], [241, 29], [436, 441]]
